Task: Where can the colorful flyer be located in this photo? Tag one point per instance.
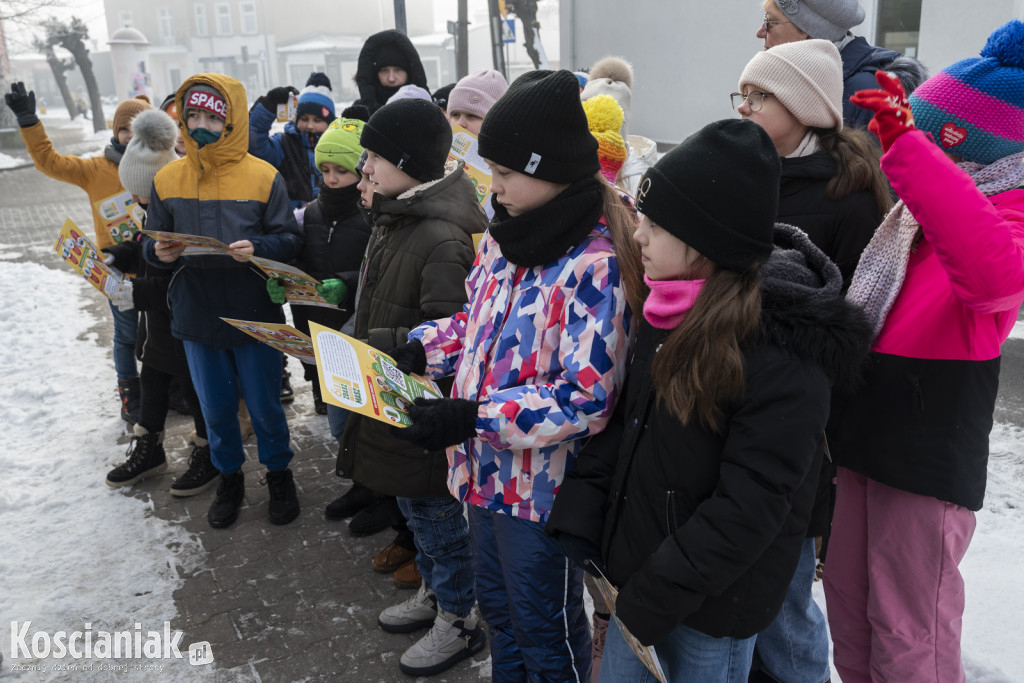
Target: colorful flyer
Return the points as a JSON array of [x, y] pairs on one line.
[[81, 254], [299, 288], [648, 657], [195, 245], [358, 377], [464, 147], [284, 338], [119, 214]]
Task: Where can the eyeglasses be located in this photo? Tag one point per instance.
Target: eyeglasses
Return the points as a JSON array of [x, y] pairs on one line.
[[769, 23], [754, 98]]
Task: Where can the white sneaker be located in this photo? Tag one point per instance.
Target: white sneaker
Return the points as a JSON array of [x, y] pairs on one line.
[[417, 612], [451, 640]]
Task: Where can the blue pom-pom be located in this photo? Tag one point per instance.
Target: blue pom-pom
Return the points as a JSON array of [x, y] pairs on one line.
[[1006, 44], [319, 79]]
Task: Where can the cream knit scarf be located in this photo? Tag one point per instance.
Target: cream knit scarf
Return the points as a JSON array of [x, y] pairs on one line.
[[883, 265]]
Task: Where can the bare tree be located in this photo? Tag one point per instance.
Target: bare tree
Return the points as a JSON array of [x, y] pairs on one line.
[[72, 36], [58, 66]]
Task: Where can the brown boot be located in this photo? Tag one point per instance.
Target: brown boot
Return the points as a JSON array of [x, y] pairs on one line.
[[391, 558], [408, 576]]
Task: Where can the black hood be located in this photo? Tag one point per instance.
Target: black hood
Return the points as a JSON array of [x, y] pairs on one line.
[[371, 93], [804, 311]]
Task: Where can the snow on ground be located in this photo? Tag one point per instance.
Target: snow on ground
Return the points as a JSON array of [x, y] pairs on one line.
[[71, 545]]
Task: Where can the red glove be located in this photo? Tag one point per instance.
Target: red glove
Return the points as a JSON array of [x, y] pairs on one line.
[[892, 110]]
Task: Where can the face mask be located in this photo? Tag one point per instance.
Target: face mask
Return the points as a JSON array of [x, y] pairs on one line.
[[203, 136]]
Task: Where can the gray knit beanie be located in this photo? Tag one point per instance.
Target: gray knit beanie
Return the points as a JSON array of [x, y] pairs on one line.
[[151, 147], [828, 19]]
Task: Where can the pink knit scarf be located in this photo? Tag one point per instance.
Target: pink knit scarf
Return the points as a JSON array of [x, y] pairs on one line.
[[669, 301]]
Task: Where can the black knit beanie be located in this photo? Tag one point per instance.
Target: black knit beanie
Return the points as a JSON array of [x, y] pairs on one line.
[[718, 191], [538, 127], [412, 134]]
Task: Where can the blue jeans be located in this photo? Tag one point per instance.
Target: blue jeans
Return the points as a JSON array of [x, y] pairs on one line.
[[686, 656], [337, 418], [794, 647], [531, 597], [252, 371], [126, 327], [443, 553]]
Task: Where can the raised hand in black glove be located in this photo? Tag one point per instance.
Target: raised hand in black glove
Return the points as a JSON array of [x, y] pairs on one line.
[[583, 552], [122, 256], [410, 358], [23, 104], [439, 422], [276, 96]]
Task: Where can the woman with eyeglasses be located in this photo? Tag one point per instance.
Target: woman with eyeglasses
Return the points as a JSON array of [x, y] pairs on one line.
[[787, 21], [833, 189]]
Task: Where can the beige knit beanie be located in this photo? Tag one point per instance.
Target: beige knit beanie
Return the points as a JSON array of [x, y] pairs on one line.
[[806, 76]]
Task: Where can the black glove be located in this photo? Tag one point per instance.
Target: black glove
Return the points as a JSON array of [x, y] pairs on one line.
[[583, 552], [439, 422], [278, 96], [121, 256], [410, 358], [23, 104]]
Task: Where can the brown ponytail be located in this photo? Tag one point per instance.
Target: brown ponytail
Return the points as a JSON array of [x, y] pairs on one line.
[[857, 159]]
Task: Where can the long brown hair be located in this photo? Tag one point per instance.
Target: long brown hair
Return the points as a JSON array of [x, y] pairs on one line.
[[622, 223], [857, 159], [698, 370]]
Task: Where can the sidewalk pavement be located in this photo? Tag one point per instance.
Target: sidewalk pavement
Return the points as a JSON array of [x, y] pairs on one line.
[[276, 603]]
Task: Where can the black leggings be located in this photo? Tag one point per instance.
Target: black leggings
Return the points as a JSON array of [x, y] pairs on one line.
[[156, 386]]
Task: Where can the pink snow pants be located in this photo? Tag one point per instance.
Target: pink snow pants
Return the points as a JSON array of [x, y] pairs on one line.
[[893, 588]]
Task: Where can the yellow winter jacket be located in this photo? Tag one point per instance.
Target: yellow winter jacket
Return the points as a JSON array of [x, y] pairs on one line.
[[97, 176]]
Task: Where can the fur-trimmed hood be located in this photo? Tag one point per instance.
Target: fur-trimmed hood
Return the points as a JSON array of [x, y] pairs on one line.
[[803, 308]]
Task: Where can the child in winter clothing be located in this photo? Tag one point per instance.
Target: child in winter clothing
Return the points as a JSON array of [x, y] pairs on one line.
[[538, 354], [292, 152], [471, 99], [703, 547], [941, 281], [415, 269], [220, 191], [154, 135], [833, 189], [98, 177], [387, 61]]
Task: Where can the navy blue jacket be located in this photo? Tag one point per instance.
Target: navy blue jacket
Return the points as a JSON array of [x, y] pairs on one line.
[[860, 62]]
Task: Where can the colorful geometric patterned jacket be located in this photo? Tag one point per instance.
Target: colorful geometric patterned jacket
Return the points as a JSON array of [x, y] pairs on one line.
[[544, 351]]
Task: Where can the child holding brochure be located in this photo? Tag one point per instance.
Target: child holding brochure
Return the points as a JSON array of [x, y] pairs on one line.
[[539, 355], [218, 190], [415, 269], [743, 331]]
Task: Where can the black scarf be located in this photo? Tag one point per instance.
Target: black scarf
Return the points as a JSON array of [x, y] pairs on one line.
[[338, 203], [548, 232], [114, 151]]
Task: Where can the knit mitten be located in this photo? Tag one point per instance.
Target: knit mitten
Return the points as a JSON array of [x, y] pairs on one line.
[[23, 104], [332, 290], [275, 289], [410, 358], [440, 422]]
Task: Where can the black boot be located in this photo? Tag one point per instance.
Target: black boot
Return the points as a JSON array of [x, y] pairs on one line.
[[354, 500], [319, 407], [176, 399], [130, 393], [287, 394], [200, 475], [224, 510], [284, 502], [146, 458], [376, 517]]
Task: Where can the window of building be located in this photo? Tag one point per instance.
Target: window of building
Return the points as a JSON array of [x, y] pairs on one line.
[[166, 24], [124, 18], [222, 15], [202, 24], [899, 25], [247, 10]]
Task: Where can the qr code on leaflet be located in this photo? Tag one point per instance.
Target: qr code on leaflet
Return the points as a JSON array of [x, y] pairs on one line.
[[392, 374]]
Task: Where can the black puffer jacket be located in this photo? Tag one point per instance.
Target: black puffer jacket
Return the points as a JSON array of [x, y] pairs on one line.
[[705, 528], [415, 270], [372, 94]]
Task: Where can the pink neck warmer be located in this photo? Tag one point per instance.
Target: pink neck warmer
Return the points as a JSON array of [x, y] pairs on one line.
[[669, 301]]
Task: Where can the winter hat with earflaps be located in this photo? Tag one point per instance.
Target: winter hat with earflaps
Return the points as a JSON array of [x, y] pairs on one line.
[[538, 128], [316, 98], [412, 134], [975, 108], [128, 110], [152, 146], [691, 192], [827, 19], [806, 76]]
